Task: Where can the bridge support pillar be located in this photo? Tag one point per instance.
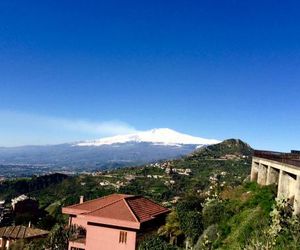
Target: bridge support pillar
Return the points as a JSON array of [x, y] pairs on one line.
[[297, 196], [280, 192], [262, 174], [254, 171], [272, 176]]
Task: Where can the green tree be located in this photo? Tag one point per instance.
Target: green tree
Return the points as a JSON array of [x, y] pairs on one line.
[[171, 230], [191, 225], [58, 238], [190, 218]]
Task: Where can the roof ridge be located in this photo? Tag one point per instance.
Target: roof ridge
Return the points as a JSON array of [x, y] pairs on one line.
[[122, 198], [133, 196], [89, 201], [130, 208]]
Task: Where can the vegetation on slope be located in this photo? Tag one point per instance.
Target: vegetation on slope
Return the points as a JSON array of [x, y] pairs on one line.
[[213, 205], [228, 147], [12, 188]]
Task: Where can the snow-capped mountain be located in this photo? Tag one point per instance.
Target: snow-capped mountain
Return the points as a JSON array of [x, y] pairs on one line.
[[111, 152], [162, 136]]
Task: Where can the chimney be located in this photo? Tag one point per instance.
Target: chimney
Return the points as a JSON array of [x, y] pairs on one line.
[[81, 199]]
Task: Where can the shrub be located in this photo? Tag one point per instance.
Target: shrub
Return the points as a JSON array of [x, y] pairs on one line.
[[212, 213], [155, 243], [242, 225], [265, 197], [206, 240]]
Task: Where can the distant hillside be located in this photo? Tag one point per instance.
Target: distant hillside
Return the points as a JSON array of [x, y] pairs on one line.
[[228, 147], [229, 160], [10, 189]]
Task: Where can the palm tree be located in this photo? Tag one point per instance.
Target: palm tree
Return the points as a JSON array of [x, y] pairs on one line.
[[171, 230]]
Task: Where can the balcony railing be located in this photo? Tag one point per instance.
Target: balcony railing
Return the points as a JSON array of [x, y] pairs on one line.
[[287, 158], [77, 242]]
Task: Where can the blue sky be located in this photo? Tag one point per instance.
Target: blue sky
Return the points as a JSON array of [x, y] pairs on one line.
[[73, 70]]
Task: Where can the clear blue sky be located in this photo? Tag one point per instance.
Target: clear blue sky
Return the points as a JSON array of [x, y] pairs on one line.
[[72, 70]]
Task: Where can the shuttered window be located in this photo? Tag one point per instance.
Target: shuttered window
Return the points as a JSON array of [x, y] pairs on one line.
[[123, 237]]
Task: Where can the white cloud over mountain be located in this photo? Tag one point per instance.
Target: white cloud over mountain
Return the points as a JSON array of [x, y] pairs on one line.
[[17, 128]]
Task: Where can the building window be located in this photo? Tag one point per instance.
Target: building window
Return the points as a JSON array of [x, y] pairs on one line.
[[123, 237]]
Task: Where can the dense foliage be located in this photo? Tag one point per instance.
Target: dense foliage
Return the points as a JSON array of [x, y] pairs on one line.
[[10, 189], [155, 243]]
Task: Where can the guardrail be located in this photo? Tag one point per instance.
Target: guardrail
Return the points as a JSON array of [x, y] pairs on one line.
[[288, 158]]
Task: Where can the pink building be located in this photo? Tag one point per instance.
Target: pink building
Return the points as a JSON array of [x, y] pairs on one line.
[[114, 222]]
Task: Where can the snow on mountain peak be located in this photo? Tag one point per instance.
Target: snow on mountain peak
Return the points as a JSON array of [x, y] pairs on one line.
[[164, 136]]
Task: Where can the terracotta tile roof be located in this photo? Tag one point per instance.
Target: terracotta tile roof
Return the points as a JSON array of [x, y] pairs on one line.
[[21, 232], [120, 207], [118, 210], [144, 209], [2, 230], [92, 205]]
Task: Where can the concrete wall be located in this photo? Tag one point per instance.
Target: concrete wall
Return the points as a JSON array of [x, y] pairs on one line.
[[101, 237], [286, 177], [105, 238]]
